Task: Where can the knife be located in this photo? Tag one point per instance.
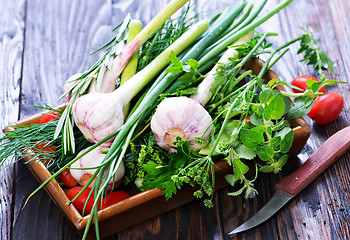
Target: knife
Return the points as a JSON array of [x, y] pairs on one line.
[[290, 186]]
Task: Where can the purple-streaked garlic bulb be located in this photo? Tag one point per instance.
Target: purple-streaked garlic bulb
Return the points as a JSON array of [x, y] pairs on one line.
[[92, 160], [183, 117], [98, 115]]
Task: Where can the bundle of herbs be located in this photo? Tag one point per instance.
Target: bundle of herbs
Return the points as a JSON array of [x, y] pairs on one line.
[[237, 116]]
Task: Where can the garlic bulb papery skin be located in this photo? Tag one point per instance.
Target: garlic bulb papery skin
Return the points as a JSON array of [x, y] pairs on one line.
[[93, 159], [98, 115], [183, 117], [203, 92]]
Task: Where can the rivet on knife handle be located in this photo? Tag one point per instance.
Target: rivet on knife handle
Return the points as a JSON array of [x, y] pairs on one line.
[[290, 186]]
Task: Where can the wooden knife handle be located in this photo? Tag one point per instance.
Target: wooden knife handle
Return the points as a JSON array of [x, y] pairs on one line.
[[337, 145]]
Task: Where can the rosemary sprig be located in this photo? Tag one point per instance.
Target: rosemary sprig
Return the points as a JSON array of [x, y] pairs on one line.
[[84, 82]]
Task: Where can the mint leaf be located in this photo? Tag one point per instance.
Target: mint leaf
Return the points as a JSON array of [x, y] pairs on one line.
[[265, 96], [282, 161], [250, 138], [265, 152], [280, 125], [239, 168], [231, 179], [266, 169], [256, 120], [275, 109], [245, 153], [275, 141], [301, 107], [236, 193], [287, 140]]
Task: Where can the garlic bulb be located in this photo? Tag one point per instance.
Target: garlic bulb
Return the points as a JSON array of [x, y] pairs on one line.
[[183, 117], [97, 115], [91, 160]]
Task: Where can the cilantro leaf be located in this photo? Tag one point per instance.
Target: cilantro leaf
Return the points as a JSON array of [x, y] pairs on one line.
[[177, 66]]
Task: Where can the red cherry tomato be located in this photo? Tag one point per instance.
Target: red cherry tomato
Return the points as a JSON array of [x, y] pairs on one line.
[[300, 82], [67, 179], [43, 147], [79, 203], [52, 115], [114, 197], [326, 108]]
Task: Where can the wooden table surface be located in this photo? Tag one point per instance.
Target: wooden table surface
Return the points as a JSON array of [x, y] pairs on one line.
[[44, 42]]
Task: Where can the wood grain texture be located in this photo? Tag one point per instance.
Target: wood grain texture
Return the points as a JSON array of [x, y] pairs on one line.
[[50, 40], [12, 22], [58, 39]]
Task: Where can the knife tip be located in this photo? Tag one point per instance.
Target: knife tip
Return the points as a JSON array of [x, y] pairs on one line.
[[234, 232], [231, 233]]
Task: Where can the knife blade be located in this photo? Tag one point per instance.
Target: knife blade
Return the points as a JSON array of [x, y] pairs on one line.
[[290, 186]]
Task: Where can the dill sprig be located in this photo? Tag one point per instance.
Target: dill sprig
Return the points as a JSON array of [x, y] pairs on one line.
[[29, 140], [171, 30], [84, 82]]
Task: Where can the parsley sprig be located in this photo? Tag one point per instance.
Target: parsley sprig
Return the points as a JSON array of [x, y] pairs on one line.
[[314, 55]]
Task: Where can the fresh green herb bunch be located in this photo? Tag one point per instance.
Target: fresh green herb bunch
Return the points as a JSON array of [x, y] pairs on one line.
[[314, 55], [141, 154], [183, 166], [37, 140], [260, 132]]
